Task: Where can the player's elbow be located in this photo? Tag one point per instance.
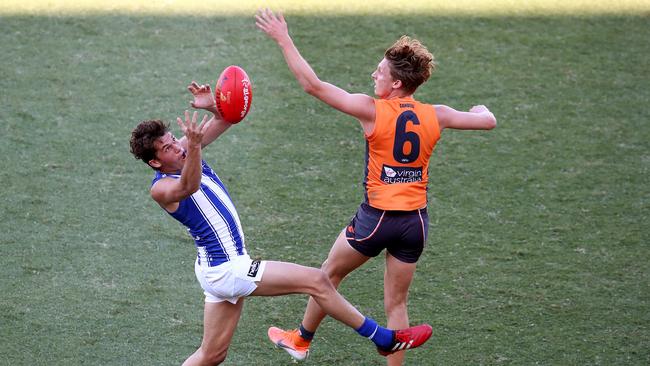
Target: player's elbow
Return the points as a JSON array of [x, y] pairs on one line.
[[194, 188], [310, 90], [311, 86], [190, 188], [489, 121]]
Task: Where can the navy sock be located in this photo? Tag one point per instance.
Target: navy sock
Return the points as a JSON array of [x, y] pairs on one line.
[[305, 334], [381, 336]]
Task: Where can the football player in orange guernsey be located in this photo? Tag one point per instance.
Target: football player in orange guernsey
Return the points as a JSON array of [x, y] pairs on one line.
[[190, 191], [401, 134]]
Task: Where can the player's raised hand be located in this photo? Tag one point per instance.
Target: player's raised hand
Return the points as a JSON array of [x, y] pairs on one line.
[[203, 97], [192, 131], [273, 25]]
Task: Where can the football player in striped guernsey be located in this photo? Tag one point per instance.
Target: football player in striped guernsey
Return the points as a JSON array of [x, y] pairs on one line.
[[189, 190]]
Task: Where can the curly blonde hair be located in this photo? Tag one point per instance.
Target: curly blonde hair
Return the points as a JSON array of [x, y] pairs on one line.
[[410, 62]]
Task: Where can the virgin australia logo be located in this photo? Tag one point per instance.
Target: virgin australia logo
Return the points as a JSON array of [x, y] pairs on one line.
[[397, 174]]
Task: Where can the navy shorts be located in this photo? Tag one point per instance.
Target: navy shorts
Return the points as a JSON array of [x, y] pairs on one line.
[[402, 233]]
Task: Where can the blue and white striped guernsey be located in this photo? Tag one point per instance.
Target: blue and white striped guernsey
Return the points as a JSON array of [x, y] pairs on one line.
[[211, 218]]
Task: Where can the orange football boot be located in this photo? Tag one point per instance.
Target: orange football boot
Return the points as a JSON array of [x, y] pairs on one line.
[[290, 341]]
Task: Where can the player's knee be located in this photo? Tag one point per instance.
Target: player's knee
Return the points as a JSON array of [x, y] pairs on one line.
[[335, 276], [321, 282], [325, 266]]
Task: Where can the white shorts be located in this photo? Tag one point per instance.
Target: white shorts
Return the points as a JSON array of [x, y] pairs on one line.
[[230, 280]]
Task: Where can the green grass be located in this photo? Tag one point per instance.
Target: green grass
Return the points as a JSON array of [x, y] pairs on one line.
[[538, 249]]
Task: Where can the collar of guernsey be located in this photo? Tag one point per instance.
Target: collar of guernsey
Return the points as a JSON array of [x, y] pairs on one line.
[[398, 152], [210, 218]]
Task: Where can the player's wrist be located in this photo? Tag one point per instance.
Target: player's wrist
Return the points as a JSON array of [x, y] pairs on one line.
[[212, 109], [284, 41], [193, 145]]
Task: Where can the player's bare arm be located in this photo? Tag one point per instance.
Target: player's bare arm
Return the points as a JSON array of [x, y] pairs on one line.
[[168, 191], [360, 106], [477, 118], [204, 99]]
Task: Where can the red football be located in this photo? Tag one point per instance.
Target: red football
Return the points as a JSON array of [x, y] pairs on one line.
[[233, 94]]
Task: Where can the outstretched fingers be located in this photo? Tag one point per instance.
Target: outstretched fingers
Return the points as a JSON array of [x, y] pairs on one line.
[[202, 94], [187, 125], [273, 25], [193, 87], [187, 119], [265, 18], [204, 125], [261, 22], [193, 132], [183, 124], [192, 126]]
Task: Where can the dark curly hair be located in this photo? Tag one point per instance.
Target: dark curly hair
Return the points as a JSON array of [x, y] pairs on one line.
[[143, 137], [410, 62]]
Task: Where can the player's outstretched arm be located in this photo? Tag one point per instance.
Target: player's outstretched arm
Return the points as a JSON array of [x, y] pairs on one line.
[[360, 106], [478, 117], [167, 191], [204, 99]]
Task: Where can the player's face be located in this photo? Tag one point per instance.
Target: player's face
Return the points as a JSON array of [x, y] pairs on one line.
[[169, 153], [384, 82]]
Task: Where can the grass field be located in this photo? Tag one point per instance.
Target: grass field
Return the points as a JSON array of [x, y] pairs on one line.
[[539, 238]]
